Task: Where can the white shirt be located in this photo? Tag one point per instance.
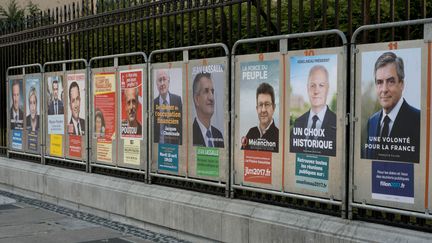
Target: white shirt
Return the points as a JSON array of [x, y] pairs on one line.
[[204, 132], [265, 130], [320, 120], [392, 115], [15, 115]]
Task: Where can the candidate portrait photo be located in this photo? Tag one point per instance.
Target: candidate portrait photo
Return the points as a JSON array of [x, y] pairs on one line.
[[208, 114], [390, 105], [313, 99]]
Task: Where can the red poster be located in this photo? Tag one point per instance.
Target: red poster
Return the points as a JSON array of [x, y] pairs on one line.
[[131, 103], [75, 146], [257, 166], [104, 106]]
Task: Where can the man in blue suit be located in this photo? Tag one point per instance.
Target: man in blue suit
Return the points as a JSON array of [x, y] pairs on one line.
[[394, 131]]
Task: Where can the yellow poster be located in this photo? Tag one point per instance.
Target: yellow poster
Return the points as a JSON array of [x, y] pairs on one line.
[[131, 153], [56, 145], [104, 152]]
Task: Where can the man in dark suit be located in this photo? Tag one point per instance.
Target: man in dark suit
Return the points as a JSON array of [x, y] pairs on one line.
[[76, 124], [265, 136], [16, 113], [394, 131], [56, 106], [167, 130], [315, 131], [204, 134]]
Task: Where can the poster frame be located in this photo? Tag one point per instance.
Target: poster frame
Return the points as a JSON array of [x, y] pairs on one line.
[[22, 76], [65, 72], [353, 118], [283, 49], [141, 169], [185, 51]]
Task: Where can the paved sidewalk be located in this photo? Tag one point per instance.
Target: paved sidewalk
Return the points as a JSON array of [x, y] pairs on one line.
[[28, 220]]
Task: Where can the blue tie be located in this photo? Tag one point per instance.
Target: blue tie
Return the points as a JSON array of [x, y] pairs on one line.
[[209, 136]]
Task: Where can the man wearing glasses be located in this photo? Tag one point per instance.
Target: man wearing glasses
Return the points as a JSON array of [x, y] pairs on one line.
[[265, 136]]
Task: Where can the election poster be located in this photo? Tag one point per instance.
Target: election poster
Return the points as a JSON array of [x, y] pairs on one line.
[[104, 88], [16, 112], [32, 113], [55, 98], [76, 126], [393, 181], [131, 104], [390, 105], [208, 86], [167, 106], [313, 99], [259, 106]]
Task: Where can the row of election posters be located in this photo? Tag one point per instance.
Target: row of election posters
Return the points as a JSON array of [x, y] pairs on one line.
[[24, 113], [286, 128], [390, 146], [66, 114], [200, 90], [118, 113]]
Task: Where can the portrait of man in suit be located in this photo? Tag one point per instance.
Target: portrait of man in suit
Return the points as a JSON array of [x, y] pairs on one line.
[[393, 132], [16, 111], [76, 123], [131, 125], [265, 136], [168, 111], [32, 120], [56, 105], [315, 130], [204, 133]]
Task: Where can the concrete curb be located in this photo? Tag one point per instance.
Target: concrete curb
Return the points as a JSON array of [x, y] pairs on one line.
[[188, 215]]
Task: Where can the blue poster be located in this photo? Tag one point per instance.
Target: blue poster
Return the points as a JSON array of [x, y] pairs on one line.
[[393, 181], [168, 157], [17, 139]]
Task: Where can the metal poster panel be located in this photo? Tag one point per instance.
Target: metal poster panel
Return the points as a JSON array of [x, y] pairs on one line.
[[315, 107], [168, 117], [105, 116], [208, 118], [33, 111], [132, 100], [389, 160], [76, 113], [258, 125], [16, 113]]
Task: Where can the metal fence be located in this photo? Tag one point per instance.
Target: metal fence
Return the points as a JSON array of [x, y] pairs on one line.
[[87, 29]]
